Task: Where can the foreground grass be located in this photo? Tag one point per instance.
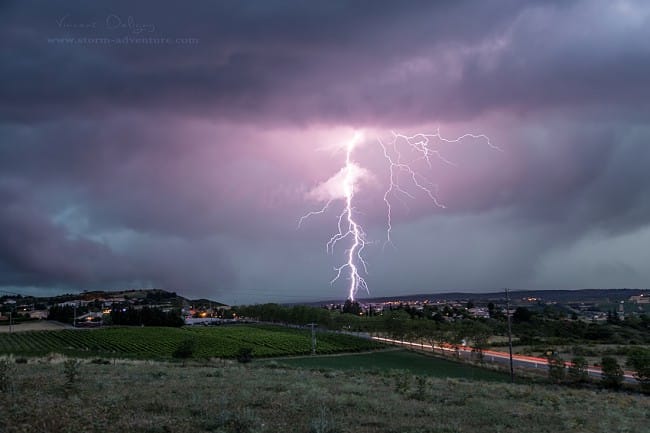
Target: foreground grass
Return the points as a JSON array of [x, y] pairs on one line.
[[160, 343], [160, 397], [413, 362]]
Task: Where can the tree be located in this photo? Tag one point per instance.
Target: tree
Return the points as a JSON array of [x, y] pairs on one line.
[[436, 335], [522, 314], [612, 318], [578, 370], [556, 369], [478, 334], [395, 324], [612, 373], [351, 307], [639, 360]]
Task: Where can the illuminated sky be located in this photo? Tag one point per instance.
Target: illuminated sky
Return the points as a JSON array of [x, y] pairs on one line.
[[185, 164]]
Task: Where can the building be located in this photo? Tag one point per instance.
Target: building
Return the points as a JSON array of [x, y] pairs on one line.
[[640, 299]]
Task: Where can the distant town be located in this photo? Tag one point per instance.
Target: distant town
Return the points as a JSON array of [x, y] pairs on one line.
[[594, 305], [149, 306], [97, 308]]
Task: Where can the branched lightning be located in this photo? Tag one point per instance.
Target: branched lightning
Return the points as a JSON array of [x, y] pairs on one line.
[[348, 227], [421, 145]]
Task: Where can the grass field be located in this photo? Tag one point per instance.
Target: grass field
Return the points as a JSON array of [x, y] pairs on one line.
[[160, 343], [153, 397], [414, 363]]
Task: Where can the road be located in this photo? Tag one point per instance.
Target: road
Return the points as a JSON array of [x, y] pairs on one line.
[[518, 361]]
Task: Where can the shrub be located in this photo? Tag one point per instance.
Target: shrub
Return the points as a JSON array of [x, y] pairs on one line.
[[403, 383], [71, 371], [185, 350], [421, 388], [6, 373], [245, 354]]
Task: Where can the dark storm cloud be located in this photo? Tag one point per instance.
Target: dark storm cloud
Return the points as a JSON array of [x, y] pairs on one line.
[[35, 251], [279, 61], [163, 164]]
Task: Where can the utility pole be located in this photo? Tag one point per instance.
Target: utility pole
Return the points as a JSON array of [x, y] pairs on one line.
[[74, 316], [313, 337], [10, 323], [512, 370]]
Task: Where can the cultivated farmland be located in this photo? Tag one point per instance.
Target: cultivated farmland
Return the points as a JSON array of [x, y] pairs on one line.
[[160, 343]]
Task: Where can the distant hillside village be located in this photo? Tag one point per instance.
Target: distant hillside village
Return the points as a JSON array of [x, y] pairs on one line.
[[156, 307], [587, 305], [149, 307]]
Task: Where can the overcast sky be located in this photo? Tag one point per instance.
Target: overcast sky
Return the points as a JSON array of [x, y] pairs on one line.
[[186, 161]]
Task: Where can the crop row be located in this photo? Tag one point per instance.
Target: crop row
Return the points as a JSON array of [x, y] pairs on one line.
[[153, 342]]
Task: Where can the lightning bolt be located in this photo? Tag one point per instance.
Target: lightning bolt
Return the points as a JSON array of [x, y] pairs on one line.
[[348, 227], [420, 145]]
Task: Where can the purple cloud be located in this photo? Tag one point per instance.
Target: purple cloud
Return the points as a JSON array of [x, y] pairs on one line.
[[186, 163]]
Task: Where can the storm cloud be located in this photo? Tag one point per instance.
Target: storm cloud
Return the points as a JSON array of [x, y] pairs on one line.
[[177, 147]]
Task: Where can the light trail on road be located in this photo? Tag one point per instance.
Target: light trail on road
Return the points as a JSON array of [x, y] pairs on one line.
[[499, 357]]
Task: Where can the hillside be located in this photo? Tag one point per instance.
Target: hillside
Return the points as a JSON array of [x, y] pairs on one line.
[[132, 296]]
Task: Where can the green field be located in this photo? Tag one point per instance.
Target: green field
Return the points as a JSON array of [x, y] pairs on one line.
[[160, 343], [164, 397], [414, 363]]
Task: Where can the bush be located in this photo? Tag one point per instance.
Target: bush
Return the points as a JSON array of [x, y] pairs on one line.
[[402, 383], [71, 371], [185, 350], [245, 354], [421, 388], [6, 373], [612, 373]]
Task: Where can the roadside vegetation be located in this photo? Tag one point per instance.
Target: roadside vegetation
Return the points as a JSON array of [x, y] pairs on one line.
[[147, 396], [547, 332]]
